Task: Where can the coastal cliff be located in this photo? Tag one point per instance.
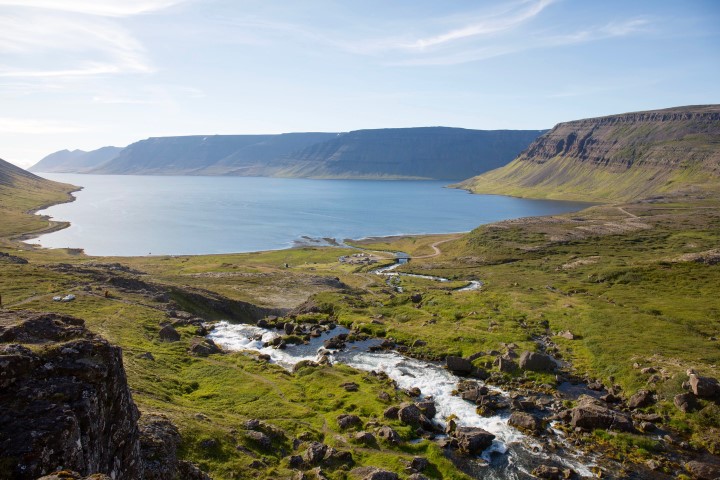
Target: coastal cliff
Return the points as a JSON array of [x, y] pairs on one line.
[[624, 156]]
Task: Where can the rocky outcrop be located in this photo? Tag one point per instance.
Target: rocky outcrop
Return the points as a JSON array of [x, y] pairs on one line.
[[624, 156], [537, 362], [65, 400]]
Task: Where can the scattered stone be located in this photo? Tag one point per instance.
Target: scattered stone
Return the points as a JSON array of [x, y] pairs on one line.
[[414, 392], [648, 371], [686, 402], [169, 334], [591, 414], [381, 475], [704, 387], [705, 468], [391, 412], [473, 440], [419, 343], [389, 435], [567, 334], [410, 414], [335, 343], [458, 364], [537, 362], [641, 399], [346, 421], [416, 298], [350, 386], [419, 463], [525, 422], [315, 453], [259, 438], [147, 356], [549, 473], [202, 347], [428, 408], [507, 365], [366, 438], [384, 396]]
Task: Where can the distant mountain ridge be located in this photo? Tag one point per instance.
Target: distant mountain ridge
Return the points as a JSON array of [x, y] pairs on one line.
[[616, 157], [76, 161], [398, 153]]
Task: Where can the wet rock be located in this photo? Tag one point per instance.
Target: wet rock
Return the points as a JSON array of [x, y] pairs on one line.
[[473, 440], [409, 414], [548, 472], [705, 468], [335, 343], [414, 392], [525, 422], [686, 402], [590, 414], [475, 395], [202, 347], [428, 408], [69, 403], [704, 387], [389, 435], [641, 399], [458, 365], [537, 362], [346, 421], [169, 334]]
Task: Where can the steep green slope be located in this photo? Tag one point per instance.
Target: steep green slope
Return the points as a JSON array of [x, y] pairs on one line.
[[618, 157], [22, 192]]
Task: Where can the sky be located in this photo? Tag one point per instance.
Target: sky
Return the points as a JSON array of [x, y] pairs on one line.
[[82, 74]]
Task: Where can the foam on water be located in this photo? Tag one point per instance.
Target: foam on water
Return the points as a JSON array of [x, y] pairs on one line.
[[433, 381]]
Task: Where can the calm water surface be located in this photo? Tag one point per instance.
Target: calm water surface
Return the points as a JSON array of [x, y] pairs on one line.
[[141, 215]]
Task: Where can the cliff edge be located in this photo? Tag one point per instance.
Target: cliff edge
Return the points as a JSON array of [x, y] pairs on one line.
[[617, 157]]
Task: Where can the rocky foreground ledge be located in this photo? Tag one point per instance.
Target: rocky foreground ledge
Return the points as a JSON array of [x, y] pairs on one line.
[[67, 411]]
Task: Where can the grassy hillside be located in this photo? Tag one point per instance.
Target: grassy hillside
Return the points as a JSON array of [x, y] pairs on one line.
[[21, 193], [620, 157]]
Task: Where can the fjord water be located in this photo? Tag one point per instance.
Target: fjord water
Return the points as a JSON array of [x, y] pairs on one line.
[[183, 215]]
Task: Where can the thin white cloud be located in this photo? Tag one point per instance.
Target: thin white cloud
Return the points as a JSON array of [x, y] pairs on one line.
[[106, 8], [531, 42], [30, 126], [67, 45], [485, 26]]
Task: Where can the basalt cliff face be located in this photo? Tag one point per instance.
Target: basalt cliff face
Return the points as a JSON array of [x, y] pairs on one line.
[[66, 402], [615, 157]]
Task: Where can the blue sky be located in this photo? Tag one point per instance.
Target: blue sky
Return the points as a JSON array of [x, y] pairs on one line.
[[88, 73]]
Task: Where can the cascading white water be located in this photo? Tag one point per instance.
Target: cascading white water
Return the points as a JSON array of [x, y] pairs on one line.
[[515, 449]]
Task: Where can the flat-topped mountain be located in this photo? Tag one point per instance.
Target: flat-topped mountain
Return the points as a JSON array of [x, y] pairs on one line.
[[624, 156], [401, 153], [75, 161]]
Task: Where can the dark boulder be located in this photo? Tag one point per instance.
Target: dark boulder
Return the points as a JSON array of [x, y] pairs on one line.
[[473, 440], [366, 438], [260, 439], [202, 347], [410, 414], [428, 408], [537, 362], [704, 387], [591, 414], [419, 463], [705, 468], [381, 475], [641, 399], [458, 365], [346, 421], [525, 422], [391, 412], [315, 453], [686, 402], [169, 334], [389, 435]]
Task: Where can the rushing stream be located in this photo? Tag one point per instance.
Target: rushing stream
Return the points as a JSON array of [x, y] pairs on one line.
[[512, 455]]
